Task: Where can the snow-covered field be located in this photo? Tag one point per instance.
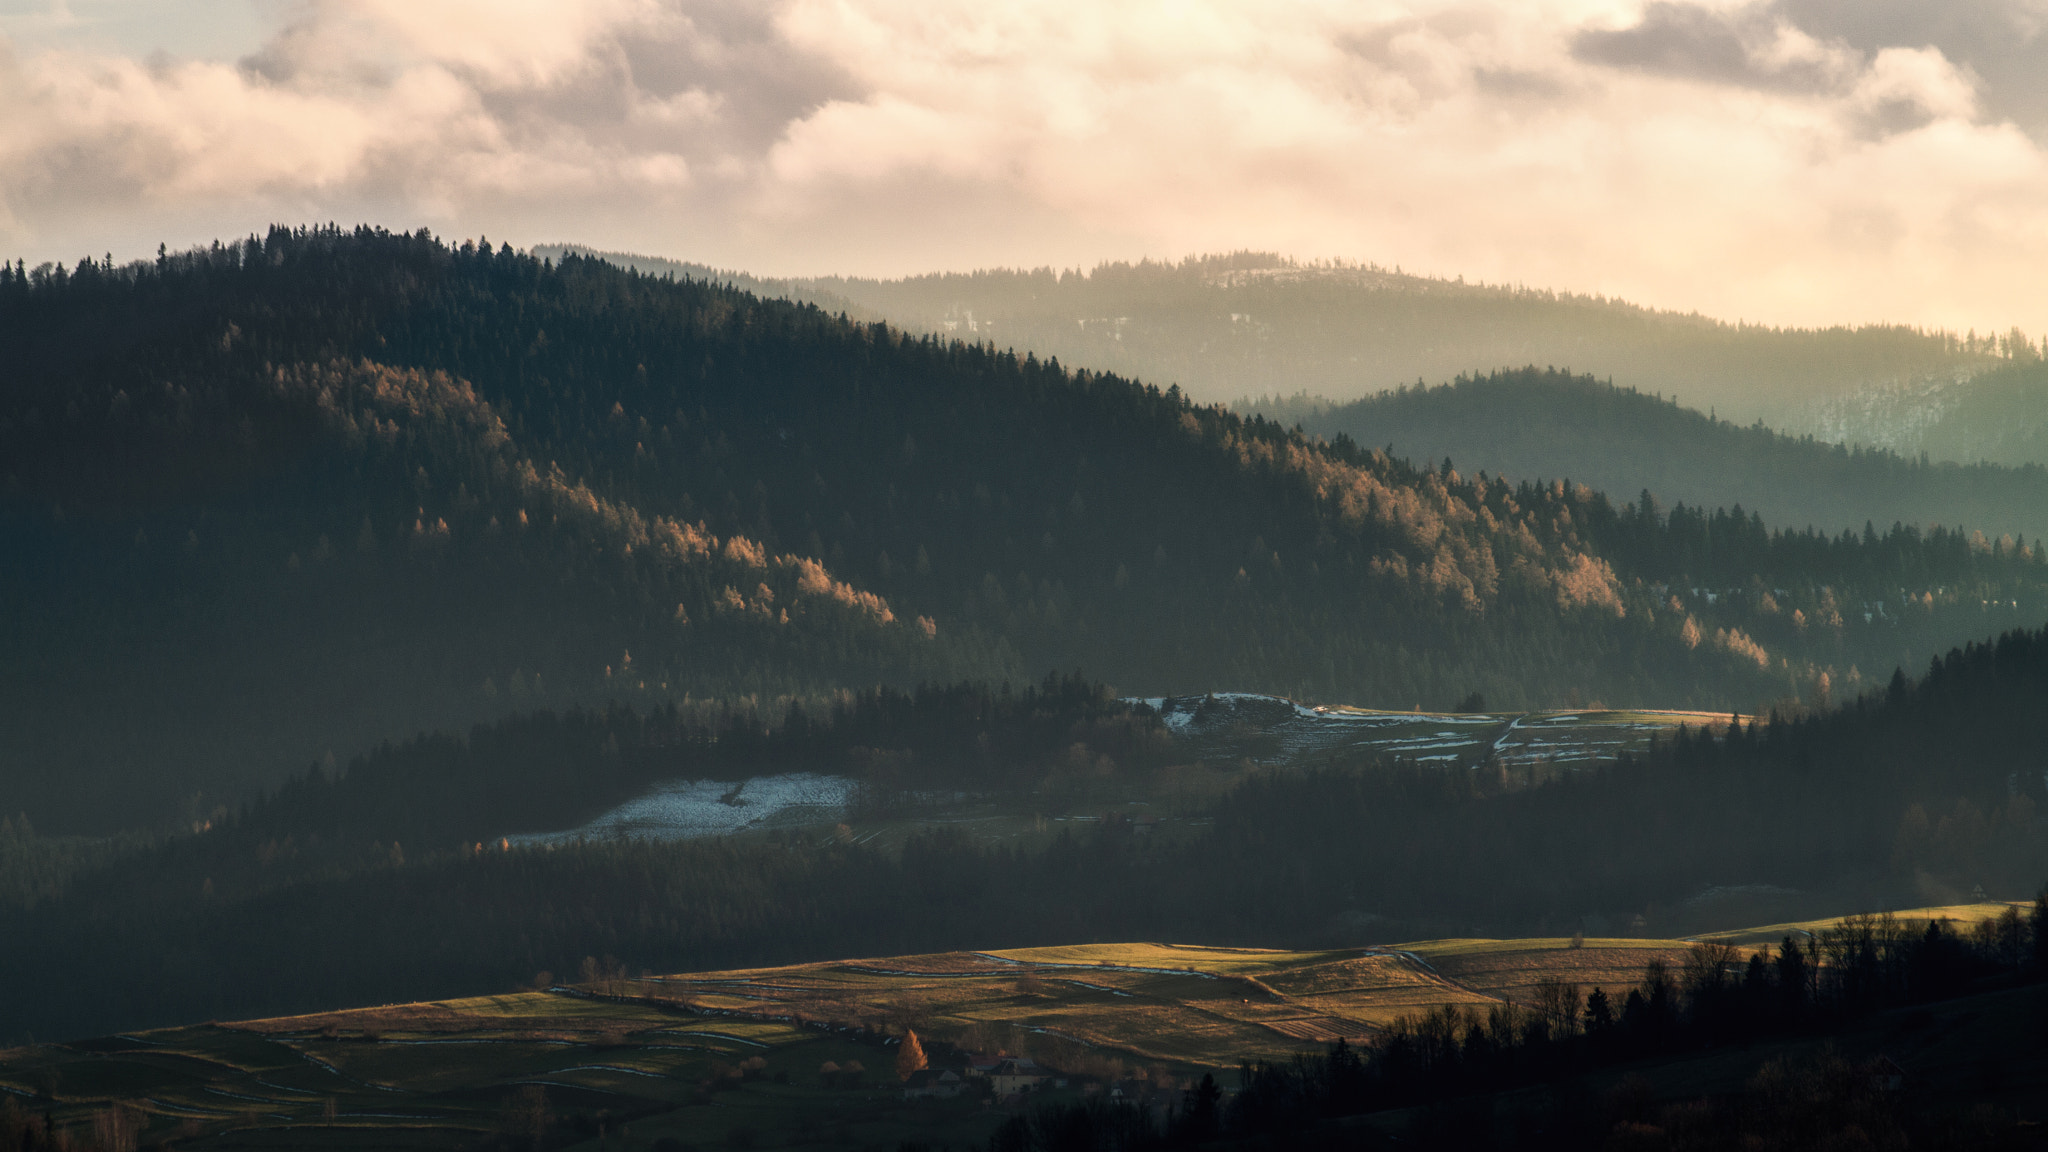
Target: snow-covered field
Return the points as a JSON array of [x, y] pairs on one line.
[[685, 809]]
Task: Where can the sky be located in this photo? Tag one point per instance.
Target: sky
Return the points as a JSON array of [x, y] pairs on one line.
[[1797, 162]]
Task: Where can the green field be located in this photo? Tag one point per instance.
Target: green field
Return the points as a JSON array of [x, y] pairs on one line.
[[718, 1058]]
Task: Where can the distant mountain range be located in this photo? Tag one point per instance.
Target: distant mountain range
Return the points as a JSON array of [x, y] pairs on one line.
[[1252, 323]]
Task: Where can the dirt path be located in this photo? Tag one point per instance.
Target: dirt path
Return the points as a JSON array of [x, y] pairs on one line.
[[1500, 742], [1427, 969]]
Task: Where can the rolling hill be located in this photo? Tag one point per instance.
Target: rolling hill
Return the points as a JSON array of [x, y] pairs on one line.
[[276, 500], [1538, 425], [782, 1054]]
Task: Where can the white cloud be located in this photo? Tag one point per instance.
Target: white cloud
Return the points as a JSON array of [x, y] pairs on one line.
[[1740, 158]]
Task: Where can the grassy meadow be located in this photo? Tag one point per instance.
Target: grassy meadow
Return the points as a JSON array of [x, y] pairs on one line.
[[768, 1055]]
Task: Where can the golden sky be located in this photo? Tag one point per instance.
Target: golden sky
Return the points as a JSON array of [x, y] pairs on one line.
[[1789, 161]]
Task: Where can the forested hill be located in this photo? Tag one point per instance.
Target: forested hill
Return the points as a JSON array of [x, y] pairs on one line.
[[1253, 323], [1540, 424], [299, 493], [2000, 417]]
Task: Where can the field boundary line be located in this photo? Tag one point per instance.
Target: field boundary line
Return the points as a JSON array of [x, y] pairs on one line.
[[1429, 970]]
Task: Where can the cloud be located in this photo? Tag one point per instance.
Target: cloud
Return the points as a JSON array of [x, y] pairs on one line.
[[1892, 89], [1802, 161], [1749, 46], [2002, 43]]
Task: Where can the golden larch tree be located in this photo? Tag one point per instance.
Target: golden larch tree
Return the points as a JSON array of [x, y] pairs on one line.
[[909, 1055]]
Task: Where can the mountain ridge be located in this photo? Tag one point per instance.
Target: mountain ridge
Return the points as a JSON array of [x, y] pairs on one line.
[[1540, 425], [1251, 323]]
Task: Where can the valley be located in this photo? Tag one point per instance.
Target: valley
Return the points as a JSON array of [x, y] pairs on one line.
[[803, 575], [582, 662]]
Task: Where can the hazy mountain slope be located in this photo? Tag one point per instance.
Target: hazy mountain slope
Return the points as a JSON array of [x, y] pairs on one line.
[[1533, 424], [1999, 416], [1255, 324]]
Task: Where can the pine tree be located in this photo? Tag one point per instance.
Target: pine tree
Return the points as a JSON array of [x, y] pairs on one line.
[[2038, 921]]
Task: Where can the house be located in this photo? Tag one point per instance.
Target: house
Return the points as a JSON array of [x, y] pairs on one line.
[[984, 1065], [1015, 1077], [1886, 1075], [1130, 1091], [932, 1084]]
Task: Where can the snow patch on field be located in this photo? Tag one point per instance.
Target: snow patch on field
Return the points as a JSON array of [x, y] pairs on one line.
[[688, 809], [1274, 730]]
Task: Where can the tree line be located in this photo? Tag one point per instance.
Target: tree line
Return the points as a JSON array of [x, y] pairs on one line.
[[1449, 1063]]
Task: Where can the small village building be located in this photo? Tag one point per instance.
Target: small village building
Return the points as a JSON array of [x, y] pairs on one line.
[[932, 1084], [1130, 1091], [1016, 1077]]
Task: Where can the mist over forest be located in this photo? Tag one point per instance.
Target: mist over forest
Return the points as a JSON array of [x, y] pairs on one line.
[[1258, 324]]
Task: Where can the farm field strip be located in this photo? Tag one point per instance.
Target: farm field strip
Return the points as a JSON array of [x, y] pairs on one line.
[[1274, 731], [715, 1036], [1106, 966], [1964, 915], [1169, 959]]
